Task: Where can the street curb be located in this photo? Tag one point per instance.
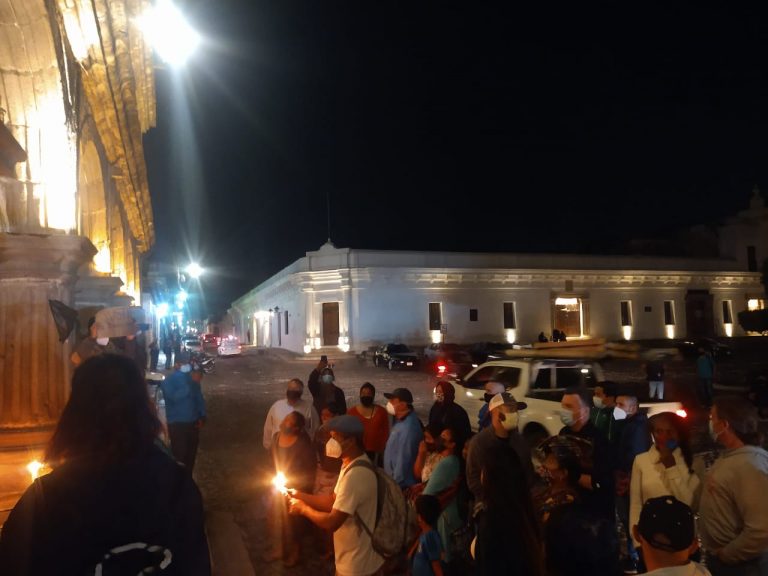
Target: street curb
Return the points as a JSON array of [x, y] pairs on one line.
[[229, 556]]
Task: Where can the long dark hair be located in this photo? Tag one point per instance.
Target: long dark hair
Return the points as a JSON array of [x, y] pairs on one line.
[[109, 416], [680, 425], [509, 507]]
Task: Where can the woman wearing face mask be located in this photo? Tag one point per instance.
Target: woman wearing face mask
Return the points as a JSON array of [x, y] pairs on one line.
[[329, 392], [375, 423], [430, 452], [666, 468], [294, 456], [560, 470]]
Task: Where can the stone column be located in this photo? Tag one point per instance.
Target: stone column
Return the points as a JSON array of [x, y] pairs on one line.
[[35, 369]]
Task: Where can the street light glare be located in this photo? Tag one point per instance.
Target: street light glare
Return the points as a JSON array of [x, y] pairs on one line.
[[195, 270], [169, 33]]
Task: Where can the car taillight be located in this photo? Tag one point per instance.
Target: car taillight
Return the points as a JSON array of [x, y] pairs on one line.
[[441, 368], [682, 413]]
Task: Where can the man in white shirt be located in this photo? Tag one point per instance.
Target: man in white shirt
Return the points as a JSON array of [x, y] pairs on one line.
[[293, 402], [667, 535], [355, 496]]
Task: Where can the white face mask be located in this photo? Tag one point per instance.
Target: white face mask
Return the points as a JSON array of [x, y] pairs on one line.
[[510, 421], [333, 448], [598, 402], [186, 368], [102, 341], [390, 408], [619, 414]]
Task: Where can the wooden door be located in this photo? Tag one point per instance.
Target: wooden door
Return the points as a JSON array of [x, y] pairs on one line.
[[330, 323]]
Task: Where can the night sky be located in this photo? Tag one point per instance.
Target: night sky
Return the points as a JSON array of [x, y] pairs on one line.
[[451, 126]]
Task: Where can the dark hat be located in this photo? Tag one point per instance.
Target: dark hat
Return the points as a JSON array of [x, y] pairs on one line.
[[402, 394], [667, 524], [345, 424]]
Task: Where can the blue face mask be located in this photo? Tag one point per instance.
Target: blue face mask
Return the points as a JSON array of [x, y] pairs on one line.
[[566, 417], [672, 444]]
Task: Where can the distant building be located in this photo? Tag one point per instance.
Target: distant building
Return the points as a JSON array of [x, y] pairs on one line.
[[357, 298]]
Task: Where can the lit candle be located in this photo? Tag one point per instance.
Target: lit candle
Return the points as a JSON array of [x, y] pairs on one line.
[[279, 482], [34, 468]]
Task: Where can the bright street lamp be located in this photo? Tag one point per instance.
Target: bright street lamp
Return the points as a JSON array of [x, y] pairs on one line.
[[169, 33], [195, 270]]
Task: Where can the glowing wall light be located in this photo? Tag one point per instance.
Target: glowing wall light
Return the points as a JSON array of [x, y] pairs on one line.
[[102, 262], [754, 304], [436, 336], [670, 330], [169, 33], [344, 343], [511, 335], [728, 329], [626, 332]]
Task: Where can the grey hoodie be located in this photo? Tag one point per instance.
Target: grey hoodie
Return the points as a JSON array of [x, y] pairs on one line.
[[734, 508]]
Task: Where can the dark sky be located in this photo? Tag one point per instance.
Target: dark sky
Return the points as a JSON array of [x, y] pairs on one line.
[[451, 126]]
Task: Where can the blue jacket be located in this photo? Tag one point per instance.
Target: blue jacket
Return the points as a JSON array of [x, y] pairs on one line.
[[402, 448], [183, 398]]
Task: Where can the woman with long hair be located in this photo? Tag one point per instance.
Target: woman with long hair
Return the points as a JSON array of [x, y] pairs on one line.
[[508, 538], [667, 468], [114, 500]]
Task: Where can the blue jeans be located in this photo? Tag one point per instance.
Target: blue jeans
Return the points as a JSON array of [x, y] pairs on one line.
[[656, 388]]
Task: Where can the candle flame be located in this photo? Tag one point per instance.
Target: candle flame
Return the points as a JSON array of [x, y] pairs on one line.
[[34, 468], [279, 482]]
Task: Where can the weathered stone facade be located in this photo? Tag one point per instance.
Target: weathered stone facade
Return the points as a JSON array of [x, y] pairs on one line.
[[76, 96]]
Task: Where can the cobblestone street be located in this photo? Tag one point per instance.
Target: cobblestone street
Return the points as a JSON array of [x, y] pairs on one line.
[[234, 471]]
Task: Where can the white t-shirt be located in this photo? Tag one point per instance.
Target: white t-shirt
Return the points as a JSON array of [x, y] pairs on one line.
[[356, 491], [690, 569], [280, 410]]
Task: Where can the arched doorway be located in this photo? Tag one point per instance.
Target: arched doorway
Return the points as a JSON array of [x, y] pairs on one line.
[[93, 205]]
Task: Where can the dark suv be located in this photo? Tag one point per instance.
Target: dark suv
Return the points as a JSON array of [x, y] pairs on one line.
[[396, 356]]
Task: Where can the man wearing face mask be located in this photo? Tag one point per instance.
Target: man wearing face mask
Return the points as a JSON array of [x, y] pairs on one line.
[[353, 501], [596, 479], [404, 437], [503, 431], [733, 508], [483, 416], [185, 411], [602, 413], [445, 411], [634, 440], [93, 344], [293, 402], [313, 382]]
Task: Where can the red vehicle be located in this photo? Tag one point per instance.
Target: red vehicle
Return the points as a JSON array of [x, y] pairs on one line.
[[210, 340]]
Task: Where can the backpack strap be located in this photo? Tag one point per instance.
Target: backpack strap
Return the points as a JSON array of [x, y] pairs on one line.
[[366, 464]]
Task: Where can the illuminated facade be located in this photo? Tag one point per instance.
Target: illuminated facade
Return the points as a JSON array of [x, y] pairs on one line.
[[76, 95], [353, 299]]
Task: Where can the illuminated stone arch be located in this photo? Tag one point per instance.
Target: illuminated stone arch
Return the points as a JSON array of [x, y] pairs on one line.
[[117, 244], [93, 205]]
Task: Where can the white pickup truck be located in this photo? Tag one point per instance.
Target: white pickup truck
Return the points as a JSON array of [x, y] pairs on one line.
[[540, 383]]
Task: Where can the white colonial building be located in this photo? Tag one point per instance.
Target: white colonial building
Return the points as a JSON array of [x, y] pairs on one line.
[[357, 298]]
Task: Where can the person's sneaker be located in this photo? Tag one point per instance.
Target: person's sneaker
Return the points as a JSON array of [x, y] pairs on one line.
[[629, 566]]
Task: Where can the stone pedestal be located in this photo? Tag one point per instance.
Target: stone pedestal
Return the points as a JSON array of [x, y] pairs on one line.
[[35, 369]]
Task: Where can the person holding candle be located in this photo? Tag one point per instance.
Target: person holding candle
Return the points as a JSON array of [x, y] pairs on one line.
[[294, 457]]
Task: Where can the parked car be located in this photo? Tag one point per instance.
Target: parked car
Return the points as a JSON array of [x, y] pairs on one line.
[[541, 384], [230, 347], [192, 344], [210, 341], [434, 352], [453, 364], [396, 356], [690, 348]]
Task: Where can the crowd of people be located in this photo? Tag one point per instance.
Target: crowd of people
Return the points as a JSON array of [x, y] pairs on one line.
[[614, 492]]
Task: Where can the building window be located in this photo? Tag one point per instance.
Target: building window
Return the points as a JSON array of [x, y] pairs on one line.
[[751, 259], [626, 313], [473, 314], [510, 322], [435, 316], [669, 313], [727, 312], [286, 321]]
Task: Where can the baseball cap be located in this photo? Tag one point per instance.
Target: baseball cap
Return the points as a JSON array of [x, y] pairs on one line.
[[667, 524], [345, 424], [505, 399], [402, 394]]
